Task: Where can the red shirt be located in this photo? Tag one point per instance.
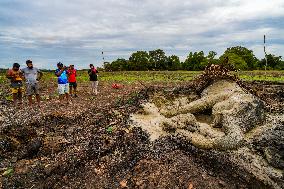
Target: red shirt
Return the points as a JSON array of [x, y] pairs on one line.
[[72, 75]]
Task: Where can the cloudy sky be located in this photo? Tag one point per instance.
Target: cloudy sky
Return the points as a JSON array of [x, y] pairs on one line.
[[77, 31]]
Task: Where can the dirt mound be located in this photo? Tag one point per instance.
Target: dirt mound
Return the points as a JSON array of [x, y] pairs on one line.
[[223, 117]]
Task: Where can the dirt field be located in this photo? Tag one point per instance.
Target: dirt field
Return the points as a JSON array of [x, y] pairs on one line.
[[91, 144]]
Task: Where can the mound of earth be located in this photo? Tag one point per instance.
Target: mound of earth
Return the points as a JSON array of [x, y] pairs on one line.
[[226, 118]]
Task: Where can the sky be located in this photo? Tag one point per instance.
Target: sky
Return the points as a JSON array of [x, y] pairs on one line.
[[78, 31]]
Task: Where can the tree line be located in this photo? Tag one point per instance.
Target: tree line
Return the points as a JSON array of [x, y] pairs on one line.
[[239, 57]]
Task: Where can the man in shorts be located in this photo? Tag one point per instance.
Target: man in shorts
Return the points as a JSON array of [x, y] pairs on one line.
[[72, 73], [32, 75], [15, 75], [63, 85], [93, 78]]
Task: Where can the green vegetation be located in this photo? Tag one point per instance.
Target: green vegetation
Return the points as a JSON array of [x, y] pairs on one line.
[[132, 76], [129, 77], [109, 129], [2, 78], [260, 75], [9, 172], [238, 57], [148, 76]]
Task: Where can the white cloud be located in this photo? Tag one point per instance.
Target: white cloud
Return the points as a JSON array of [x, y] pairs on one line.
[[81, 29]]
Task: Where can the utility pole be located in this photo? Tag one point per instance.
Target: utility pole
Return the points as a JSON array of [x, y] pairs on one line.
[[103, 56], [264, 39]]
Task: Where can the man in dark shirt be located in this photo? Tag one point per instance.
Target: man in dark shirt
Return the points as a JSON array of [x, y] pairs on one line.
[[93, 78]]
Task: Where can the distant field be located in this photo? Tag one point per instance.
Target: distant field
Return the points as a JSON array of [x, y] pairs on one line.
[[161, 76], [176, 76], [275, 76], [179, 76]]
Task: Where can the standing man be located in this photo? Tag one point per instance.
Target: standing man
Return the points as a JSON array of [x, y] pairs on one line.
[[32, 75], [15, 75], [93, 78], [63, 85], [72, 73]]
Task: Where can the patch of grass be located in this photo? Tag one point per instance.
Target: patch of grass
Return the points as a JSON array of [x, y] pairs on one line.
[[8, 173], [180, 76], [260, 75], [9, 98], [3, 78], [147, 76], [118, 101], [109, 129], [262, 78]]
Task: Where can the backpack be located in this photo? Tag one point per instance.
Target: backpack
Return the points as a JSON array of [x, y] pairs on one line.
[[94, 70]]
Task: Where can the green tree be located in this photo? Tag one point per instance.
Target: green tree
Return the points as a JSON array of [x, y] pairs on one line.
[[107, 66], [211, 55], [235, 60], [246, 54], [120, 65], [158, 60], [211, 58], [280, 66], [139, 61], [273, 62], [195, 61], [173, 63]]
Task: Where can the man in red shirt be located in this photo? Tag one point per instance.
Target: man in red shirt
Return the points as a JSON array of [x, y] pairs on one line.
[[72, 73]]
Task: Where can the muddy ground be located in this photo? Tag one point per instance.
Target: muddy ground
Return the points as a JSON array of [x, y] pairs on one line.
[[91, 144]]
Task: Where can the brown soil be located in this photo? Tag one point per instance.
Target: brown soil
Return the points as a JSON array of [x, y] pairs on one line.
[[90, 144]]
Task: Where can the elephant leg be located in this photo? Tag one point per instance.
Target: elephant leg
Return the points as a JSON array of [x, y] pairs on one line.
[[196, 106], [182, 121], [234, 135]]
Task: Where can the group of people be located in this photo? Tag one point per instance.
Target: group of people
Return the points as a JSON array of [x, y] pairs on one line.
[[66, 79]]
